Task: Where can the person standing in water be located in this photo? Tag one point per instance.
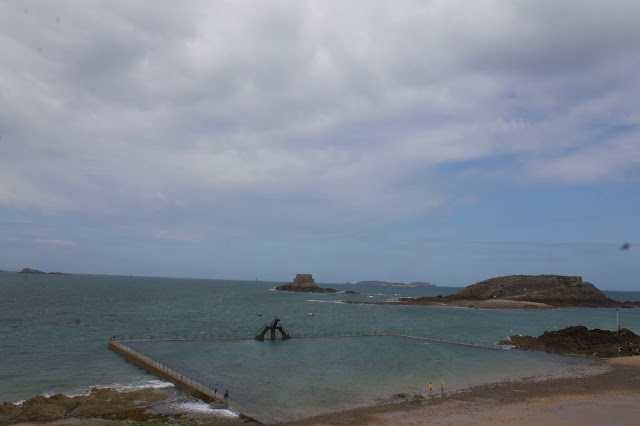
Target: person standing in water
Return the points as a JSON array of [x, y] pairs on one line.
[[441, 386], [226, 398], [430, 388]]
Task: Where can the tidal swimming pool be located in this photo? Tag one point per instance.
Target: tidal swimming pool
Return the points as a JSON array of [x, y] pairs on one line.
[[286, 380]]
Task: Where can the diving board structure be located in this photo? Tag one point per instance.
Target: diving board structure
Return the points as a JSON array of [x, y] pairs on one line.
[[273, 327]]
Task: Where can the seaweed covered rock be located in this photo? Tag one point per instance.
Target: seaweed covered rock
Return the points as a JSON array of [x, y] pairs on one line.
[[579, 340]]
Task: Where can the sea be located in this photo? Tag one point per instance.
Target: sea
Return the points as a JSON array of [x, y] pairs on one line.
[[55, 329]]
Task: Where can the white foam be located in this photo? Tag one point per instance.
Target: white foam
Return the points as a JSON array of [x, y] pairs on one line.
[[154, 384], [203, 408], [326, 301], [118, 387], [131, 387]]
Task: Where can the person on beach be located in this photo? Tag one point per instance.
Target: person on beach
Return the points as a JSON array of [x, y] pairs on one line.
[[430, 388], [441, 386], [226, 398]]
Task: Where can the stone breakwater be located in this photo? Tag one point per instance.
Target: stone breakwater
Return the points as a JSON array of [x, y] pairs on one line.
[[185, 383]]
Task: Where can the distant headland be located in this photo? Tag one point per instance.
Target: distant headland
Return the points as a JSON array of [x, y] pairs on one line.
[[394, 284], [304, 283], [522, 292], [37, 271]]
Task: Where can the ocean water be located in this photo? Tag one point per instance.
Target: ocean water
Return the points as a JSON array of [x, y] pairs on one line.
[[54, 332]]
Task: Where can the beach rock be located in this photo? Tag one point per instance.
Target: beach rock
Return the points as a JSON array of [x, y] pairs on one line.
[[579, 340], [304, 283], [100, 403]]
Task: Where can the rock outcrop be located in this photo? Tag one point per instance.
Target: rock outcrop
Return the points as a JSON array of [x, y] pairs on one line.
[[304, 283], [579, 340], [553, 290], [100, 403], [523, 292]]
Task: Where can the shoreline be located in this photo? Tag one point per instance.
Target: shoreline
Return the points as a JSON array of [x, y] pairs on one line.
[[580, 399]]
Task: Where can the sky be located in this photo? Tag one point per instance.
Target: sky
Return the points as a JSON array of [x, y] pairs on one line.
[[440, 141]]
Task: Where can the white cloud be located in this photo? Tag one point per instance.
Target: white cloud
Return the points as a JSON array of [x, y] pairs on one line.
[[326, 115]]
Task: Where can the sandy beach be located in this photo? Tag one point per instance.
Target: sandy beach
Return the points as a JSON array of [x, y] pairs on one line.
[[612, 397], [609, 397]]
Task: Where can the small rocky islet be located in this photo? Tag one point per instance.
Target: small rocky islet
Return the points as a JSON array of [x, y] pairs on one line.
[[304, 283], [38, 272]]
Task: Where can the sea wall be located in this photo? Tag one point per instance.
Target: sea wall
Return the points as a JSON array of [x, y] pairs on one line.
[[181, 381]]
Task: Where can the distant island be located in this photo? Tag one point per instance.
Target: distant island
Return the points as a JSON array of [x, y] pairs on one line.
[[521, 292], [36, 271], [304, 283], [394, 284]]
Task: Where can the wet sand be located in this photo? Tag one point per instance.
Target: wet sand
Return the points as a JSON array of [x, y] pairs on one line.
[[612, 397]]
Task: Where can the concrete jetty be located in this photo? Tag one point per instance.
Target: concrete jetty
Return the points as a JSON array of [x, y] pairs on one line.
[[181, 381]]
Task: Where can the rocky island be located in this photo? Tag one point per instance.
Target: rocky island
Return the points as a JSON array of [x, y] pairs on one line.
[[304, 283], [31, 271], [523, 292], [37, 271], [579, 340]]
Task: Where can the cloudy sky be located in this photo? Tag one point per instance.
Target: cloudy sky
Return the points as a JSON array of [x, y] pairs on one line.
[[438, 141]]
